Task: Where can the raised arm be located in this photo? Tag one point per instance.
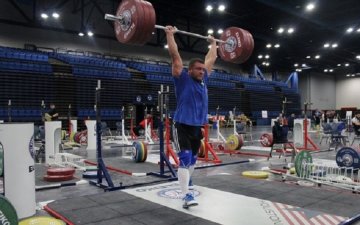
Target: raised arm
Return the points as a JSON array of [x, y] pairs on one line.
[[211, 56], [176, 61]]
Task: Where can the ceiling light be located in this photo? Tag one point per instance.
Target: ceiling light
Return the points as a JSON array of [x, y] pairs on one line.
[[339, 64], [210, 31], [347, 64], [325, 70], [166, 46], [260, 56], [221, 8], [326, 45], [353, 75], [264, 63], [81, 34], [317, 57], [268, 45], [308, 57], [310, 6], [331, 70], [303, 65], [290, 30], [267, 64], [349, 30], [209, 8], [55, 15], [267, 56], [277, 45], [334, 45], [44, 16], [90, 33], [296, 65], [298, 70], [348, 75], [280, 30], [358, 30], [220, 31], [358, 56]]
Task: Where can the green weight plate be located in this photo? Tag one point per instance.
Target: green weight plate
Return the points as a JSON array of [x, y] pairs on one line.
[[300, 160], [8, 212]]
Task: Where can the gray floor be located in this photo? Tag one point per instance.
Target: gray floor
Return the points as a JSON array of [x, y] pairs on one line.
[[88, 204]]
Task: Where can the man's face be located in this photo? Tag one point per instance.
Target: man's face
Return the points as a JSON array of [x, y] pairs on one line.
[[197, 71], [358, 115]]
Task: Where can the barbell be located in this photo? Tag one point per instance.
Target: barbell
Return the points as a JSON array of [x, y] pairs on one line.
[[236, 141], [135, 21]]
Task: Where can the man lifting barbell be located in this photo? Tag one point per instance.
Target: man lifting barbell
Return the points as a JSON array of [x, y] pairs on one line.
[[192, 108]]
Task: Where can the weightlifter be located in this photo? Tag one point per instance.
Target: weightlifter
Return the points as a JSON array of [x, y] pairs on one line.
[[191, 110]]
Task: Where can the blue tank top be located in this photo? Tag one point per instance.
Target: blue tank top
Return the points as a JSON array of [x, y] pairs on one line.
[[192, 99]]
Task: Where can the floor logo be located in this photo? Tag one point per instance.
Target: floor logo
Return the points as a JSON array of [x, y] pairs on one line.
[[174, 193]]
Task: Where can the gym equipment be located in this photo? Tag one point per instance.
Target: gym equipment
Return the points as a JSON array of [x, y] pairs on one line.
[[9, 110], [163, 99], [123, 138], [60, 171], [58, 178], [256, 174], [234, 142], [208, 148], [202, 149], [81, 137], [91, 134], [301, 137], [41, 220], [348, 157], [19, 166], [52, 140], [266, 139], [135, 22], [301, 159], [89, 174], [139, 153], [1, 160], [8, 212]]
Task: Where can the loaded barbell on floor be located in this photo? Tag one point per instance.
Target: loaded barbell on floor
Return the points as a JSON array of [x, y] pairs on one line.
[[236, 141], [135, 22]]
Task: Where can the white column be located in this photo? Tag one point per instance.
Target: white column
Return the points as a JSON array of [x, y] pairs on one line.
[[52, 140], [19, 172], [91, 132]]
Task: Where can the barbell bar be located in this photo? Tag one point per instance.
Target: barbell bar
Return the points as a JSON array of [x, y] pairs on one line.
[[135, 21], [120, 19]]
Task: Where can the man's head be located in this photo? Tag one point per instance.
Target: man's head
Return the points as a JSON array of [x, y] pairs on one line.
[[197, 68], [52, 106]]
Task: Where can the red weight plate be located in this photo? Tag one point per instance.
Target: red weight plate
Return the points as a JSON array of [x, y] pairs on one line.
[[60, 171], [149, 26], [127, 30], [249, 45], [266, 140], [58, 178], [235, 51], [140, 26]]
